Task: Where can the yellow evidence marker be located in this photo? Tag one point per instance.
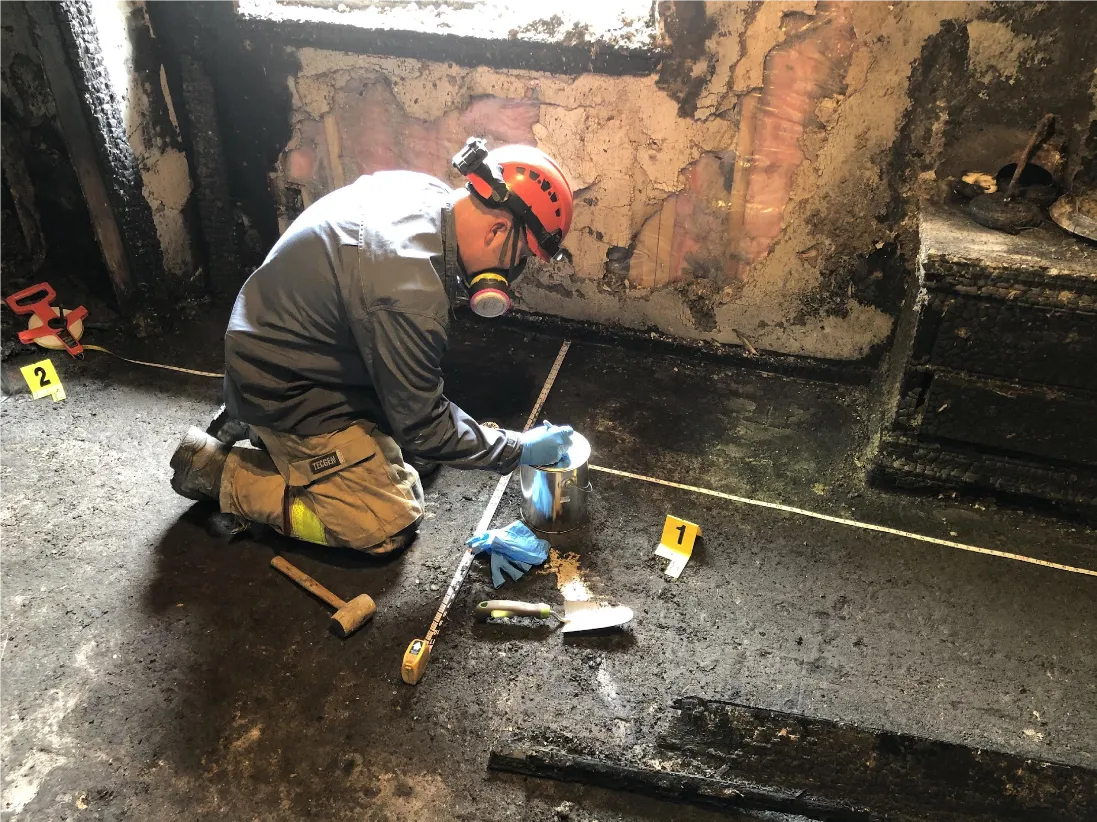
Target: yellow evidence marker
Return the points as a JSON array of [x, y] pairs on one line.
[[676, 544], [43, 380]]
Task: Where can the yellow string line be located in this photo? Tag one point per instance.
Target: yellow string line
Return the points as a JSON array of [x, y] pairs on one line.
[[155, 364], [868, 526], [849, 522]]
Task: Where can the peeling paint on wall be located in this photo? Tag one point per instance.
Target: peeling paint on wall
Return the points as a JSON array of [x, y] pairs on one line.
[[756, 186]]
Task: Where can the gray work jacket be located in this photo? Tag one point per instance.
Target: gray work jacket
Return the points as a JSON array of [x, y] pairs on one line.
[[348, 318]]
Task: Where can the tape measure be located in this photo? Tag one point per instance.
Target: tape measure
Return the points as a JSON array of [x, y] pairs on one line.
[[49, 326], [418, 653], [215, 375], [852, 523]]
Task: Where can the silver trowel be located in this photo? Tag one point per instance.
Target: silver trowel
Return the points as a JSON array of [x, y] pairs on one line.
[[577, 616]]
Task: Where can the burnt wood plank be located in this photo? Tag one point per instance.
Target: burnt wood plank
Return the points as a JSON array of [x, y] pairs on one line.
[[553, 763], [1030, 344], [81, 147], [1027, 420], [897, 776]]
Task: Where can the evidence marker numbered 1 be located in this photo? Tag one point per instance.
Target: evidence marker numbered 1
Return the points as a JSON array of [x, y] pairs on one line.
[[676, 545]]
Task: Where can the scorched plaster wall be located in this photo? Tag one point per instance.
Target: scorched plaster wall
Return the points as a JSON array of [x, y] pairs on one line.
[[143, 102], [756, 185]]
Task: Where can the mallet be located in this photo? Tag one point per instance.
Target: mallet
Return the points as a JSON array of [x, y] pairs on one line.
[[348, 616]]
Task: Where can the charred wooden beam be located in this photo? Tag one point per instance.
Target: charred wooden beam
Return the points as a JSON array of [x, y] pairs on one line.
[[90, 112], [81, 144], [898, 776], [21, 188], [550, 763]]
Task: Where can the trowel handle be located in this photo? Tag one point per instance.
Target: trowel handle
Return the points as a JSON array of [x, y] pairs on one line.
[[502, 608]]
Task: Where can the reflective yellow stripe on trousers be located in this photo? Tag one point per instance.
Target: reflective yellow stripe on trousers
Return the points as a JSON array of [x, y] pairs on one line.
[[304, 524]]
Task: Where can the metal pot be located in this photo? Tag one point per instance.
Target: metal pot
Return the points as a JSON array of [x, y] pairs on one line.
[[554, 497], [1076, 213]]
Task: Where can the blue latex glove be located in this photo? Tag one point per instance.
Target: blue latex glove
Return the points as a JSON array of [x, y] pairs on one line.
[[545, 444], [514, 550], [543, 502], [501, 565]]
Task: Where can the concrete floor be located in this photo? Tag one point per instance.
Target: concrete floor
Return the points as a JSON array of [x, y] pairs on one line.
[[152, 671]]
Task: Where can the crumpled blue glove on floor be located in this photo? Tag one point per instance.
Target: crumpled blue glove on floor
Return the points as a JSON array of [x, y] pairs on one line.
[[501, 565], [514, 550], [545, 444]]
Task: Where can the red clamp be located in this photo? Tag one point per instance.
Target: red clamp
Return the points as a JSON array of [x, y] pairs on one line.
[[38, 300]]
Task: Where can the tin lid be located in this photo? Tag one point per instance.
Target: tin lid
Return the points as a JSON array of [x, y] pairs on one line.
[[578, 454]]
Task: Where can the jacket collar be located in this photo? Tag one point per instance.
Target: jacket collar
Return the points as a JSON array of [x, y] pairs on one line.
[[453, 279]]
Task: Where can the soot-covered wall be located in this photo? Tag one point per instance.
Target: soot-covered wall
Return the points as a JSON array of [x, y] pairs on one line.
[[46, 226], [756, 184], [91, 138], [115, 62], [137, 86]]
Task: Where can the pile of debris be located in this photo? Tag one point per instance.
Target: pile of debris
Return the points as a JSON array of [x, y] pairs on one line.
[[1017, 196]]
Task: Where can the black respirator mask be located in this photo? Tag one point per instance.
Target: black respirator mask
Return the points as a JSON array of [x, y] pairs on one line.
[[491, 290]]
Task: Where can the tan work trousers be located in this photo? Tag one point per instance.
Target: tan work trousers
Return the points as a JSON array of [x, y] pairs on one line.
[[349, 489]]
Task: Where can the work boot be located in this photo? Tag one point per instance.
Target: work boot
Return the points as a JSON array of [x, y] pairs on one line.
[[198, 463], [397, 542], [425, 468], [226, 526], [227, 429]]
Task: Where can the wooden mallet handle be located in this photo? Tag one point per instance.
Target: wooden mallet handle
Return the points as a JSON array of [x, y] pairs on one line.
[[307, 582]]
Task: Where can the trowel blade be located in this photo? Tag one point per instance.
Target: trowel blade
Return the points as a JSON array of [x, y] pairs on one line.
[[591, 616]]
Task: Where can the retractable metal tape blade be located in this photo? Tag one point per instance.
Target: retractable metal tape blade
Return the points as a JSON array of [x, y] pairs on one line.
[[418, 653]]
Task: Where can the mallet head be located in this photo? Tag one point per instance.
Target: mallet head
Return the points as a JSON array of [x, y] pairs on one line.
[[352, 616]]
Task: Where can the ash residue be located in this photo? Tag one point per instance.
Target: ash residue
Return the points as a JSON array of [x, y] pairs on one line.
[[876, 279], [700, 297]]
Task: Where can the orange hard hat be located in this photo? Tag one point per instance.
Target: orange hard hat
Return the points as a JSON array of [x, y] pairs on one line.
[[528, 183]]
